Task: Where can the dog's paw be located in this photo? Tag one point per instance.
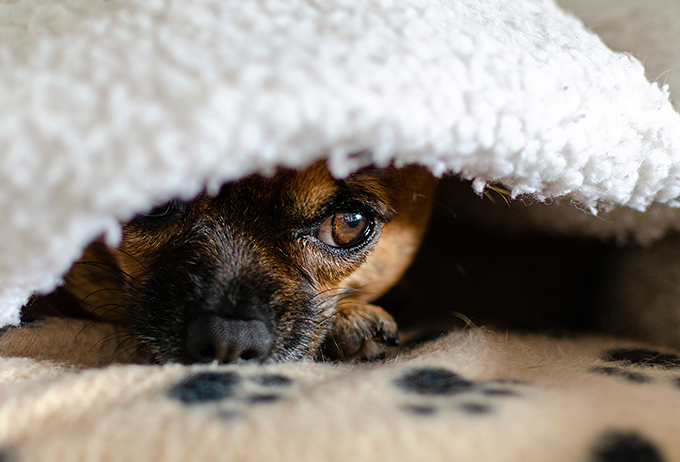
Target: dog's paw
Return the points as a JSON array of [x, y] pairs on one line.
[[361, 331]]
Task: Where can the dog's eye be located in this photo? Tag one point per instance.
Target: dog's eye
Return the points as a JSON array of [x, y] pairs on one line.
[[344, 229], [162, 214], [161, 211]]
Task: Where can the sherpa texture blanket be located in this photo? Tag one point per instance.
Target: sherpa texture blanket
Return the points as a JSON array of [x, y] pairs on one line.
[[110, 106]]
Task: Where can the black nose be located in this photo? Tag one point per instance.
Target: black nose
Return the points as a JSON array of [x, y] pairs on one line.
[[211, 337]]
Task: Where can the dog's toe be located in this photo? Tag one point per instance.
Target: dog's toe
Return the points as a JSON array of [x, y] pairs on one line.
[[363, 332]]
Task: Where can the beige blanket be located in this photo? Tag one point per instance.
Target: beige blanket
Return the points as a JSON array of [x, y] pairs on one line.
[[473, 395]]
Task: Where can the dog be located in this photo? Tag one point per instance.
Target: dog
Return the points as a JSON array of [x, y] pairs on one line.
[[270, 269]]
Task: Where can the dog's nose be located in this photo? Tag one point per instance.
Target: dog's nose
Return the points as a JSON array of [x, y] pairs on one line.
[[211, 337]]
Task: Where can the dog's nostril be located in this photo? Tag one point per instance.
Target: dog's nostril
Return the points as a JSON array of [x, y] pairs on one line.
[[206, 351], [211, 337], [249, 354]]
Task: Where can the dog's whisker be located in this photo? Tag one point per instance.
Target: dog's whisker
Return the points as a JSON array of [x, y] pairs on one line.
[[112, 311], [338, 309], [332, 289], [111, 269], [140, 347], [332, 304], [341, 353], [332, 298], [123, 314], [91, 294], [327, 318], [335, 313], [139, 262], [115, 302], [116, 353], [87, 325], [92, 322], [124, 336]]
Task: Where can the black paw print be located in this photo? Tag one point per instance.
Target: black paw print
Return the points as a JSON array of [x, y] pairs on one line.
[[620, 446], [428, 385], [230, 390], [636, 365]]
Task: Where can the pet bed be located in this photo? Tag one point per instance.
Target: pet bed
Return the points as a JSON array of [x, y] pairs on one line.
[[111, 106]]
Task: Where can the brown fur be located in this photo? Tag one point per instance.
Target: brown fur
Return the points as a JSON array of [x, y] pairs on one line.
[[252, 256]]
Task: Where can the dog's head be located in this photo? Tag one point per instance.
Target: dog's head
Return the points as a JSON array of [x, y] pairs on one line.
[[260, 270]]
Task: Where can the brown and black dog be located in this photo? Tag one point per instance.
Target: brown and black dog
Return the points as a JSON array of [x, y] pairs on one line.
[[269, 269]]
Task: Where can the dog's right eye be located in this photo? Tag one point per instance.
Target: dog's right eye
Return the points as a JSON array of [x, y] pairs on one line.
[[159, 214], [345, 229], [161, 211]]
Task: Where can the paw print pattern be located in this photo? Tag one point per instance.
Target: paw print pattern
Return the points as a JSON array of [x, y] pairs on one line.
[[620, 446], [643, 357], [631, 376], [206, 387], [229, 390], [429, 385], [636, 365], [433, 381]]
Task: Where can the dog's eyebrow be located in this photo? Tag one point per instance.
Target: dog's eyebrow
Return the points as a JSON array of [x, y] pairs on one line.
[[313, 196], [369, 187]]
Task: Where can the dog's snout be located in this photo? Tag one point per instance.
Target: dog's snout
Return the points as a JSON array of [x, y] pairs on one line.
[[211, 337]]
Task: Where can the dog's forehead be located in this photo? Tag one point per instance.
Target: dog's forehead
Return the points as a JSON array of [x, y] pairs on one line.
[[304, 194], [288, 193], [310, 190]]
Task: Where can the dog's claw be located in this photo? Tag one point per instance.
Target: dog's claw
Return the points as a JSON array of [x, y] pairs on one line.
[[381, 335]]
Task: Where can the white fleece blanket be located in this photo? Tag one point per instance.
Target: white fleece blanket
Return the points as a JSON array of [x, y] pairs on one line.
[[108, 106]]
